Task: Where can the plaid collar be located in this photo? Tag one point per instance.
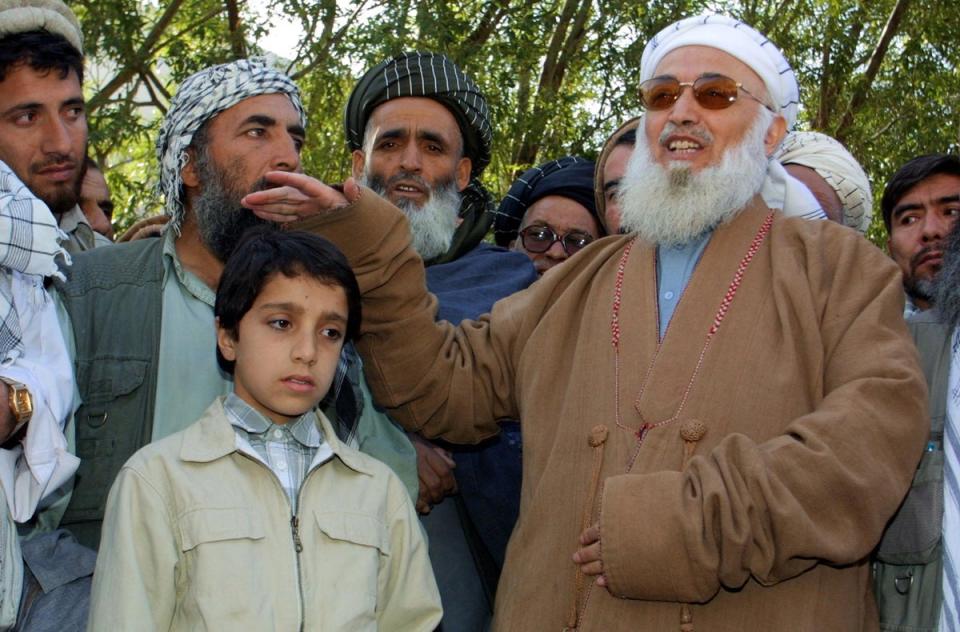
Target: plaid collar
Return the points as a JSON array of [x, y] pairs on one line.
[[244, 416]]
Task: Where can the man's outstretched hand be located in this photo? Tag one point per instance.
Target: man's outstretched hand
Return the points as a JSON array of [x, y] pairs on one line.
[[298, 196]]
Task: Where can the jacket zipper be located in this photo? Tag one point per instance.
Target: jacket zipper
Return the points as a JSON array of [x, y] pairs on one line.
[[297, 549], [294, 531]]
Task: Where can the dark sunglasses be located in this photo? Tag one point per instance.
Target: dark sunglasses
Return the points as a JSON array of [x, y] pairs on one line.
[[538, 239], [714, 92]]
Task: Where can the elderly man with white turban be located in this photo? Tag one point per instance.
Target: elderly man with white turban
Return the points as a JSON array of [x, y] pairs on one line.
[[721, 409]]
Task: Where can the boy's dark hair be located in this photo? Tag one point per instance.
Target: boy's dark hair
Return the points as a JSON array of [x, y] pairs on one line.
[[628, 138], [42, 51], [911, 174], [264, 252]]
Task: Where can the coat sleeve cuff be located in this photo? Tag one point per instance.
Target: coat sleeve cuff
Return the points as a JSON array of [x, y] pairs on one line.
[[641, 543]]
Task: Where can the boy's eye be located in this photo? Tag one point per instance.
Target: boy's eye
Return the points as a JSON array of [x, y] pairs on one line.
[[280, 323], [332, 333]]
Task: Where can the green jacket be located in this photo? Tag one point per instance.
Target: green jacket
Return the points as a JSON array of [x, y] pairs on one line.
[[113, 297], [909, 570]]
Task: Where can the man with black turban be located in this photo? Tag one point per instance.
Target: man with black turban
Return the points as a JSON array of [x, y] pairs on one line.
[[420, 134], [549, 213]]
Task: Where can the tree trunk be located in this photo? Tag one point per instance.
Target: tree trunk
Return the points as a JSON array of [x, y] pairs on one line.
[[564, 44], [237, 43]]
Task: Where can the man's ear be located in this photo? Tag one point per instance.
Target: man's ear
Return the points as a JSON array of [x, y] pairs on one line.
[[188, 173], [359, 160], [464, 167], [226, 342], [775, 134]]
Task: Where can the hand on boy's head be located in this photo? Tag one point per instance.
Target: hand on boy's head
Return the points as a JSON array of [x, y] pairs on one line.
[[297, 196]]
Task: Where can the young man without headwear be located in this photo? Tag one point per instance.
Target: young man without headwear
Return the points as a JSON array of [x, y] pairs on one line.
[[920, 205], [919, 556], [731, 471]]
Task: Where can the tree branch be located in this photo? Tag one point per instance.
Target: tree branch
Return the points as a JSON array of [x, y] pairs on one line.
[[139, 58], [862, 90]]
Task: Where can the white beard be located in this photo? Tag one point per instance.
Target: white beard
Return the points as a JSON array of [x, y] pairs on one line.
[[432, 225], [672, 205]]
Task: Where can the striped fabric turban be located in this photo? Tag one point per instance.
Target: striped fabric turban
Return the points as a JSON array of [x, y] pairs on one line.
[[832, 162], [434, 76], [200, 97], [570, 177]]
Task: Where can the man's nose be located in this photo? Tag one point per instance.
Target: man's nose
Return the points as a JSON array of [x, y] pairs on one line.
[[935, 226], [686, 109], [556, 251], [57, 138], [410, 159], [287, 154]]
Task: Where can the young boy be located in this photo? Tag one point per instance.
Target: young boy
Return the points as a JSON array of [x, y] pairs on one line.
[[256, 517]]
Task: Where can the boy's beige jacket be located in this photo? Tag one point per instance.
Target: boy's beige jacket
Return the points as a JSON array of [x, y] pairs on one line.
[[198, 536], [810, 393]]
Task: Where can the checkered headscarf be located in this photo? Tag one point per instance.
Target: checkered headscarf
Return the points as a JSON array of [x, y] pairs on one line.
[[200, 97], [434, 76], [29, 238]]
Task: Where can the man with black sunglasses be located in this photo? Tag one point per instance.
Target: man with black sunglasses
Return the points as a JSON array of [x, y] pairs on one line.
[[721, 408], [549, 213]]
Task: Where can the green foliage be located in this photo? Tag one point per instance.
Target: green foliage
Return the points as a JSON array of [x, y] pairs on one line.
[[559, 75]]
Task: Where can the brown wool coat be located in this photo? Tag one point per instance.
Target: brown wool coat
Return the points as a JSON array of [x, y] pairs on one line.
[[811, 395]]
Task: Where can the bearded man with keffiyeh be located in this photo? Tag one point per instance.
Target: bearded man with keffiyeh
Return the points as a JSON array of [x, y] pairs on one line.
[[138, 316], [720, 409]]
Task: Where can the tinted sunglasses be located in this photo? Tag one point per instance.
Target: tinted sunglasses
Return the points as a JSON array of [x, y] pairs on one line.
[[539, 238], [713, 92]]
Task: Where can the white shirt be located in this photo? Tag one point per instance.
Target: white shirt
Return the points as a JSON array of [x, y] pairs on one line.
[[41, 462]]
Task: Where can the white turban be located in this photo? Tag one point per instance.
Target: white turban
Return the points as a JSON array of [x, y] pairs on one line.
[[200, 97], [832, 162], [734, 38]]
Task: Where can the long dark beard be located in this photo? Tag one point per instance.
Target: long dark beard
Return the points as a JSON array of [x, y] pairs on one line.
[[947, 283], [221, 219]]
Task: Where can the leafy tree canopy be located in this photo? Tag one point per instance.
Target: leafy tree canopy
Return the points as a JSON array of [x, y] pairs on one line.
[[560, 75]]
